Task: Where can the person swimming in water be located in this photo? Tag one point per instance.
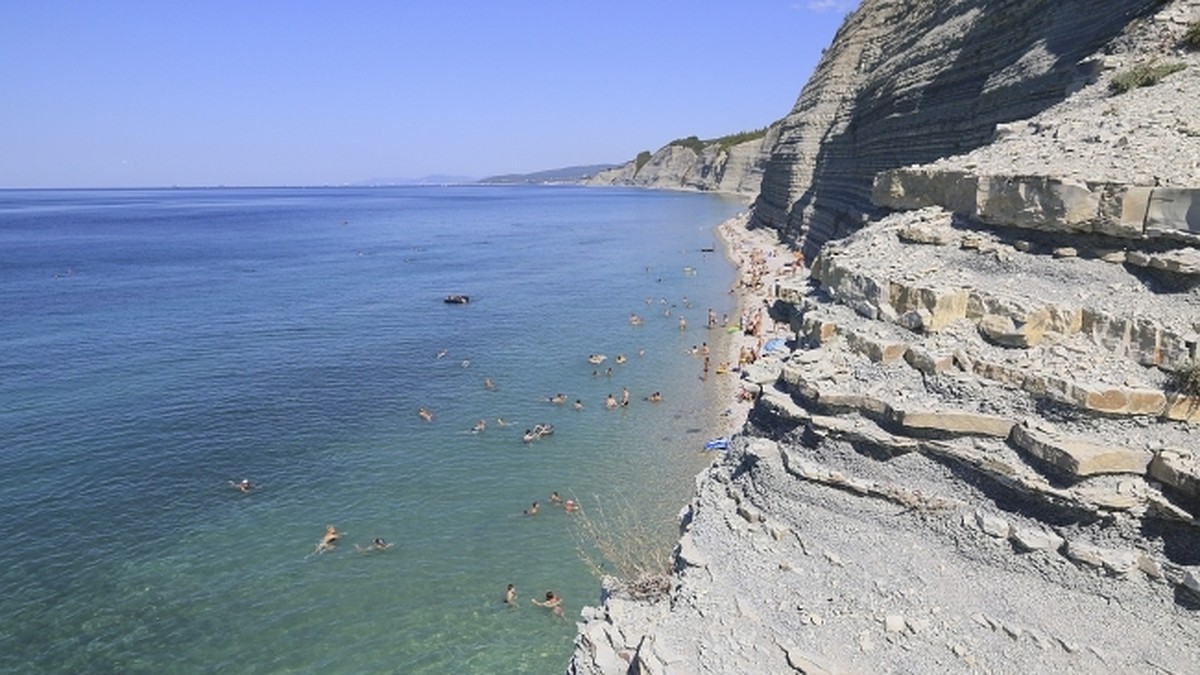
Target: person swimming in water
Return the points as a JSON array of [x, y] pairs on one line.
[[329, 541], [244, 485], [532, 510], [510, 595], [377, 544], [553, 602]]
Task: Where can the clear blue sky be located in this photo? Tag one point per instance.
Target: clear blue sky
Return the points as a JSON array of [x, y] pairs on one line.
[[166, 92]]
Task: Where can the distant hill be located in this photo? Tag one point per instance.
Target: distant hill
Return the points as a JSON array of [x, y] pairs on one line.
[[570, 174]]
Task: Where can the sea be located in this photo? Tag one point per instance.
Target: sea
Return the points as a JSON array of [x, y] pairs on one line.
[[159, 345]]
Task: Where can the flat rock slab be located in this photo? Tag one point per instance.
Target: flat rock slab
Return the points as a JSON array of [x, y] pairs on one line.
[[1079, 457]]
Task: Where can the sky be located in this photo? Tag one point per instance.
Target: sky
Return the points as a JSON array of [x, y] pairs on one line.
[[298, 92]]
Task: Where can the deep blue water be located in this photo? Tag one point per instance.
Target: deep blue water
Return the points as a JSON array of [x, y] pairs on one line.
[[159, 343]]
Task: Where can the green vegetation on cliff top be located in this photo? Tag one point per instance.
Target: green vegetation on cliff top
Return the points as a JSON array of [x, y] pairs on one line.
[[724, 142]]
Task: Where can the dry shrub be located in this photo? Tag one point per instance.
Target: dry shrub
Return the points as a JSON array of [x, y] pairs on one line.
[[1146, 74], [1191, 38], [618, 542], [1186, 381]]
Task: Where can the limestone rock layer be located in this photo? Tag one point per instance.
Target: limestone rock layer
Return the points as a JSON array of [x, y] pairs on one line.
[[911, 82], [977, 452]]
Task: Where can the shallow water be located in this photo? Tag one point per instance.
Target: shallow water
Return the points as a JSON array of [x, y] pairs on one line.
[[160, 343]]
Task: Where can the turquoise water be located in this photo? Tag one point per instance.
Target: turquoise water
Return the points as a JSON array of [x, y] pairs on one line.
[[159, 343]]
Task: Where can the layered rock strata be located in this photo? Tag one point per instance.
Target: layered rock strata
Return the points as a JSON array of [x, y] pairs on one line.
[[909, 83], [978, 452], [933, 496], [736, 169]]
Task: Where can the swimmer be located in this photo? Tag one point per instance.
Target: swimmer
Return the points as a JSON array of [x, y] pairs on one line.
[[555, 499], [558, 399], [532, 510], [578, 404], [552, 601], [624, 396], [442, 353], [570, 506], [479, 427], [502, 422], [610, 402], [510, 595], [635, 320], [656, 397], [488, 384], [377, 544], [244, 485], [682, 323], [425, 414], [620, 358], [328, 541]]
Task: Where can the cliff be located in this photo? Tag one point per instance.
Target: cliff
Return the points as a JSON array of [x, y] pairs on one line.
[[710, 166], [976, 451], [911, 82]]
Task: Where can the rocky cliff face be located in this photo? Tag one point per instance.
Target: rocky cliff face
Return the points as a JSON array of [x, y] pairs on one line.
[[977, 452], [911, 82], [736, 169]]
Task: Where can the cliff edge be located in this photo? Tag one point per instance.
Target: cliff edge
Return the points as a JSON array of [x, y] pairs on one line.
[[976, 451], [730, 165]]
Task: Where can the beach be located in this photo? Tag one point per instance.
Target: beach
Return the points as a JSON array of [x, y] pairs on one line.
[[759, 259]]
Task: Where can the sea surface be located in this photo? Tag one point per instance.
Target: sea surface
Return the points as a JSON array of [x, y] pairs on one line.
[[158, 344]]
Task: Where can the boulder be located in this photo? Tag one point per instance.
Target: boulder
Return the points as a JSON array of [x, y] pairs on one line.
[[1076, 456], [1035, 539], [1178, 469], [958, 422]]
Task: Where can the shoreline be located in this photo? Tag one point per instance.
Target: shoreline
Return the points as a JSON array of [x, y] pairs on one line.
[[754, 254]]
